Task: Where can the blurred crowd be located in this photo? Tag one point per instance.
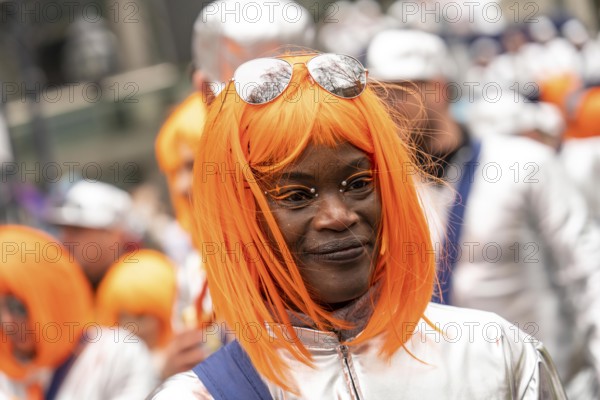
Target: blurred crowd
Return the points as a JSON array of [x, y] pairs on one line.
[[505, 115]]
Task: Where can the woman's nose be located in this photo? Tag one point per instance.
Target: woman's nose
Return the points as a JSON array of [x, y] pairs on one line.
[[334, 213]]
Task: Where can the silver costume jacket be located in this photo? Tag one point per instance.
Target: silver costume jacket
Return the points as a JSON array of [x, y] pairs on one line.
[[114, 365], [477, 355]]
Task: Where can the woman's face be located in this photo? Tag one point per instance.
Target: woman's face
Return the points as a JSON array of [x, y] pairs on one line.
[[182, 182], [147, 327], [328, 211], [15, 318]]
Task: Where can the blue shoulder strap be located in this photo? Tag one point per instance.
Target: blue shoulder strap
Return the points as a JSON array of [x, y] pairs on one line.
[[228, 374], [450, 252]]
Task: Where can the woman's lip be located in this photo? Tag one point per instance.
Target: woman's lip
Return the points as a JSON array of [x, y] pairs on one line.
[[335, 246], [347, 254]]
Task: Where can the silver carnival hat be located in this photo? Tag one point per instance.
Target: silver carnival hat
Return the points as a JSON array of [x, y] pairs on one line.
[[406, 55], [230, 32], [93, 205]]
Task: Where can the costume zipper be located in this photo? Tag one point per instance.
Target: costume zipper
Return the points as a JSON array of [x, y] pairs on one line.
[[344, 351]]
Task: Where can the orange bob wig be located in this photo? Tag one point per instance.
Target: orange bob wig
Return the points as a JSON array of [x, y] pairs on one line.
[[250, 287], [140, 284], [38, 270]]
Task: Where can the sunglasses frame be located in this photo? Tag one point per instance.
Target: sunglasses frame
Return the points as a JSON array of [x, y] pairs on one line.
[[233, 80]]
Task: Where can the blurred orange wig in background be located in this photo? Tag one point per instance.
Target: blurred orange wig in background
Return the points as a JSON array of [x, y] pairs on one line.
[[180, 133], [37, 270], [143, 283], [584, 121], [249, 285], [555, 88], [580, 105]]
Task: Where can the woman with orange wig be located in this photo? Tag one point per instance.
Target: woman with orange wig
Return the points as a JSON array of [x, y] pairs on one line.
[[176, 144], [139, 292], [319, 258], [50, 347]]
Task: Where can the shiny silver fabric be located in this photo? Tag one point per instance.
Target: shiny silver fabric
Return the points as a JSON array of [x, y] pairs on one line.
[[529, 250], [477, 356], [114, 365], [230, 32], [581, 158]]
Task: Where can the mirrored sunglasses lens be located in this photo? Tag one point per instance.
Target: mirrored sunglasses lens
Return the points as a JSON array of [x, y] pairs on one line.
[[262, 80], [340, 75]]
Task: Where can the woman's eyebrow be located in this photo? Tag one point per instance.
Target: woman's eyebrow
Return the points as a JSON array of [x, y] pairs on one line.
[[357, 163], [360, 162]]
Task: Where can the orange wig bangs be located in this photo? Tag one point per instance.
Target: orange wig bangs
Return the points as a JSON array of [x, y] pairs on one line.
[[250, 287]]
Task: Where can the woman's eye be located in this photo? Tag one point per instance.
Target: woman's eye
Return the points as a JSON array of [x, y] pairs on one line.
[[361, 183], [295, 197]]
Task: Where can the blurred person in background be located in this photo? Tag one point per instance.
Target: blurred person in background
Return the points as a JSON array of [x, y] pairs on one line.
[[581, 158], [514, 115], [50, 348], [511, 66], [482, 52], [540, 63], [545, 123], [97, 225], [564, 70], [138, 293], [515, 237], [580, 150], [549, 54], [175, 147]]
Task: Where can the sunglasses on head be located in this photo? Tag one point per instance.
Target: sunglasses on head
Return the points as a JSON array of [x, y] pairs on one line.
[[262, 80]]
